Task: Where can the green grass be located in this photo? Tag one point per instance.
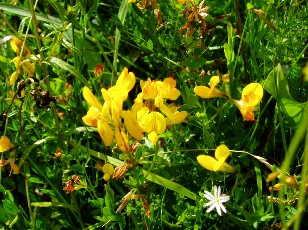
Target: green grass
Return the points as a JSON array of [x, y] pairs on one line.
[[262, 43]]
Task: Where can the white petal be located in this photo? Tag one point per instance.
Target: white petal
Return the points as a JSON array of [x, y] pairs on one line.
[[208, 195], [215, 191], [219, 191], [218, 208], [222, 207], [209, 203], [211, 207], [224, 198]]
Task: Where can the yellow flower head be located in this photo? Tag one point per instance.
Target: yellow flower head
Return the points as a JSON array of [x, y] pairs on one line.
[[108, 170], [153, 98], [221, 154], [209, 92], [251, 96], [5, 144], [19, 60], [17, 44], [107, 117], [167, 90]]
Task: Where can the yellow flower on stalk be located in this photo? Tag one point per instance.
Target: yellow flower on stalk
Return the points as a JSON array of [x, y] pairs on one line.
[[108, 117], [167, 89], [209, 92], [5, 144], [178, 117], [221, 154], [151, 100], [154, 123], [19, 61], [251, 96]]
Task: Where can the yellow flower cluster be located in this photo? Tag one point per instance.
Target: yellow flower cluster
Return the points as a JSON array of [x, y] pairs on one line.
[[150, 107], [19, 61], [145, 115], [251, 96]]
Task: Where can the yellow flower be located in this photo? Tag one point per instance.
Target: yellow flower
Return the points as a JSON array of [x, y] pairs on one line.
[[107, 117], [221, 154], [108, 170], [167, 90], [5, 144], [132, 125], [153, 99], [122, 140], [209, 92], [251, 96], [129, 1], [90, 98], [154, 123], [105, 132], [149, 89], [20, 61], [178, 117]]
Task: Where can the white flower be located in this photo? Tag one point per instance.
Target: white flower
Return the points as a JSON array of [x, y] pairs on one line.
[[216, 201]]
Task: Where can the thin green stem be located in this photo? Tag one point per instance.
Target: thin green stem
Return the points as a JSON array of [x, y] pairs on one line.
[[42, 58]]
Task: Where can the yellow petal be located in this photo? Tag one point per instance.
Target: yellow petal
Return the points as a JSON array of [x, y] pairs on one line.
[[29, 68], [126, 80], [173, 94], [252, 94], [207, 162], [143, 117], [132, 125], [16, 61], [149, 89], [214, 81], [224, 167], [108, 168], [105, 132], [90, 98], [106, 177], [91, 118], [122, 140], [222, 152], [157, 122], [179, 117], [153, 137], [166, 110], [246, 111], [13, 77], [226, 78], [16, 44], [203, 91], [5, 144]]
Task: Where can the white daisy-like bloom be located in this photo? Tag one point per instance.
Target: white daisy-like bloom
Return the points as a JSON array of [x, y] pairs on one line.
[[216, 201]]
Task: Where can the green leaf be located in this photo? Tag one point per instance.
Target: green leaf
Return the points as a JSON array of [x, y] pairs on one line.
[[150, 45], [65, 66], [109, 214], [194, 63], [277, 86], [2, 215], [6, 7], [10, 207]]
